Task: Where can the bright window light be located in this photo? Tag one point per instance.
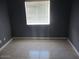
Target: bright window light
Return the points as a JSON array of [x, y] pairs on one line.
[[37, 12]]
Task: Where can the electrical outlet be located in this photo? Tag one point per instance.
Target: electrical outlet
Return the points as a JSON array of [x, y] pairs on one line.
[[0, 41], [4, 38]]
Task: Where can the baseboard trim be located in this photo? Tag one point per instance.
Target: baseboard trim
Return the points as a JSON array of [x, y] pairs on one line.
[[73, 47], [6, 44], [35, 38]]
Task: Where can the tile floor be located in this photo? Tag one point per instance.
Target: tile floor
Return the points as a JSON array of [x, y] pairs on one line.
[[38, 49]]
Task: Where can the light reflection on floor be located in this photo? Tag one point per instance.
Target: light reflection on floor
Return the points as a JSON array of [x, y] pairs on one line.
[[39, 54]]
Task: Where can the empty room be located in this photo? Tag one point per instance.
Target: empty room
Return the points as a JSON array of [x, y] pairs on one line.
[[39, 29]]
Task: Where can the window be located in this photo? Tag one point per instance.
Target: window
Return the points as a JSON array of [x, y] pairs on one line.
[[37, 12]]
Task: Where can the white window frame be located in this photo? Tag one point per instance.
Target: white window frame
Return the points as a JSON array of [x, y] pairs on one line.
[[48, 23]]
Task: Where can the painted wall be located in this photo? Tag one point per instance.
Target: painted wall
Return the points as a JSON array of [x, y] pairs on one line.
[[74, 24], [59, 18], [4, 23]]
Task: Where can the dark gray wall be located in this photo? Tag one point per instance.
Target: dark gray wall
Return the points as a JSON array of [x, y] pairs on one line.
[[74, 24], [60, 10], [4, 23]]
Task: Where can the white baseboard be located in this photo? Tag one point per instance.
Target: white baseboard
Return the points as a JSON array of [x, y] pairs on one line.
[[73, 47], [5, 44], [40, 38]]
